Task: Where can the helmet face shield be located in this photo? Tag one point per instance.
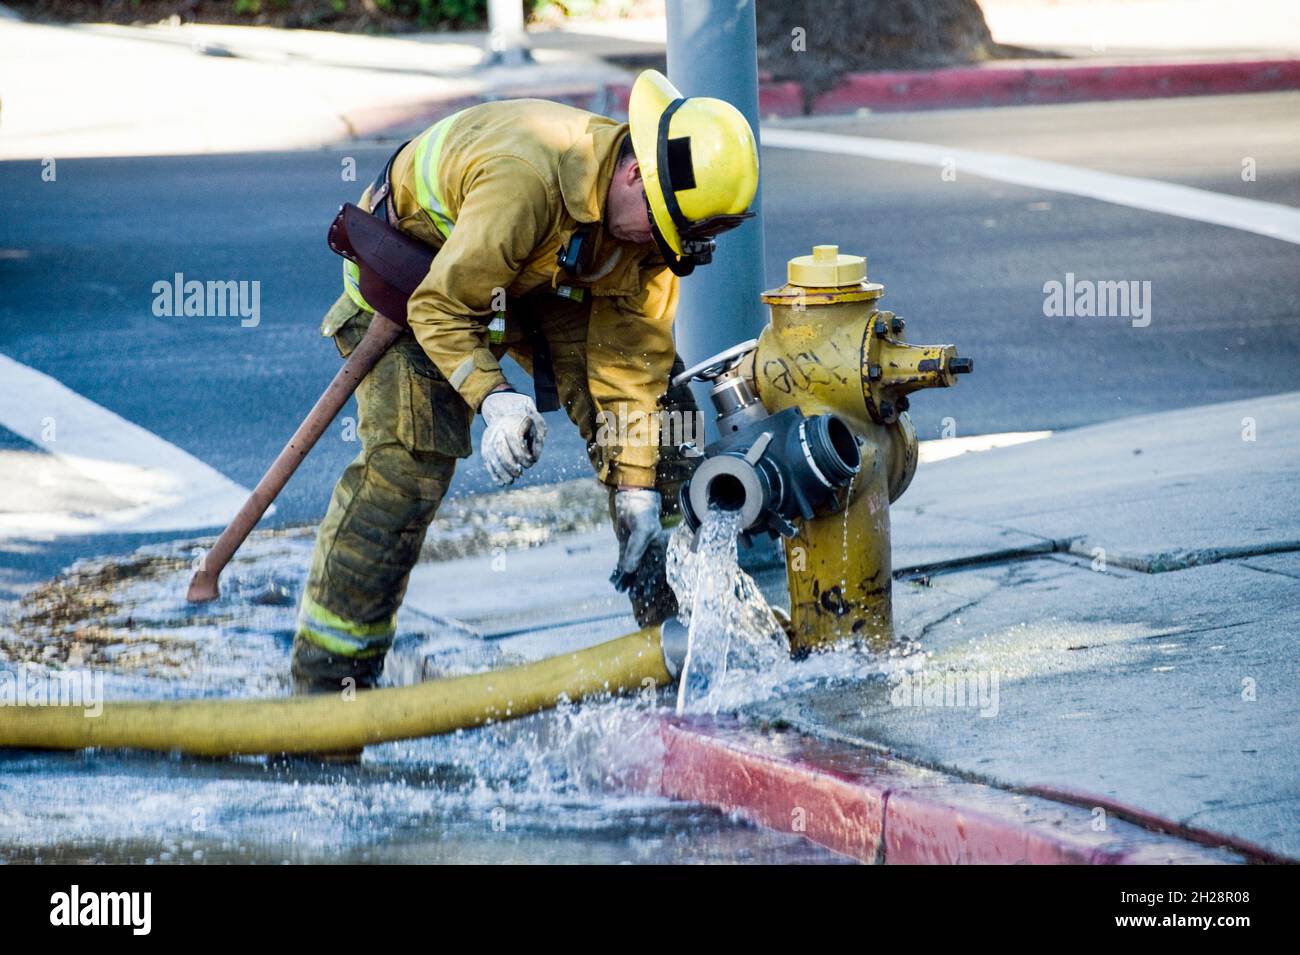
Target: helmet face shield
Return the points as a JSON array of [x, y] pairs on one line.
[[714, 225]]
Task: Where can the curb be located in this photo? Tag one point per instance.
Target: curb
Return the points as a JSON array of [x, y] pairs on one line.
[[949, 88], [1150, 820], [876, 808], [782, 99], [1014, 85]]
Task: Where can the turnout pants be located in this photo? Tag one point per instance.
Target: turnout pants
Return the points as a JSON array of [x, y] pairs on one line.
[[412, 427]]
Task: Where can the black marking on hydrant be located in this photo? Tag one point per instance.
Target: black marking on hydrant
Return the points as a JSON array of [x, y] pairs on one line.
[[833, 601]]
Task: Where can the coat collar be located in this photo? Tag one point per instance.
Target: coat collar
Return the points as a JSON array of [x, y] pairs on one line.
[[586, 168]]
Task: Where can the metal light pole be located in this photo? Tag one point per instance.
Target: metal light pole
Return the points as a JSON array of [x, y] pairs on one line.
[[713, 51]]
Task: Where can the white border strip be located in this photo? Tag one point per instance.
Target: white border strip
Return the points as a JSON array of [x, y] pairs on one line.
[[1249, 215], [160, 487]]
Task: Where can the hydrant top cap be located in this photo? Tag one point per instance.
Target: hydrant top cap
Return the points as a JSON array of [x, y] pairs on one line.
[[826, 268]]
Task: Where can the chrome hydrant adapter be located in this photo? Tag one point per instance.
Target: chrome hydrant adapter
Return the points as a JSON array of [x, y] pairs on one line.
[[772, 468]]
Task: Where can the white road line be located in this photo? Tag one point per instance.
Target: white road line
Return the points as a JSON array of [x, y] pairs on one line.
[[1250, 215], [149, 484], [941, 449]]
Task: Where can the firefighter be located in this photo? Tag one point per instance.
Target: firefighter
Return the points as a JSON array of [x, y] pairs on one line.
[[560, 236]]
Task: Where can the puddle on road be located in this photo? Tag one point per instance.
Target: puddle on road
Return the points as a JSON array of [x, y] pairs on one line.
[[565, 786]]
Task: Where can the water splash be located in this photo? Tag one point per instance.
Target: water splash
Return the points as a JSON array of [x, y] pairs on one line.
[[733, 632], [738, 652]]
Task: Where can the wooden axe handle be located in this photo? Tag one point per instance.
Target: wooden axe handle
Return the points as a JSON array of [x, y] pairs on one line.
[[378, 339]]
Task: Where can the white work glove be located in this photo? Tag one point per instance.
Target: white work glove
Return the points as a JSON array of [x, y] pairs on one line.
[[514, 435], [636, 519]]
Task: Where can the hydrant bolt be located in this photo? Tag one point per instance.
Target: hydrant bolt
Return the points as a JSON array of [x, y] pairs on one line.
[[897, 324]]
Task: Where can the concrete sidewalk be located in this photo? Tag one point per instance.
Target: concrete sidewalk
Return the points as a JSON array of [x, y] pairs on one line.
[[1148, 29], [1134, 589], [1128, 592], [97, 89]]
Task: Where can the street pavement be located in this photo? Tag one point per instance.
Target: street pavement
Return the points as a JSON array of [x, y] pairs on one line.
[[964, 261], [91, 89]]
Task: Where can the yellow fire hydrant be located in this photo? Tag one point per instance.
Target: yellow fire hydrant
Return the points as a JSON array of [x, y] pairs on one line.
[[829, 350]]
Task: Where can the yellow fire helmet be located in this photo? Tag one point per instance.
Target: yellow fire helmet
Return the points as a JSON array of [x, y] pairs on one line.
[[699, 163]]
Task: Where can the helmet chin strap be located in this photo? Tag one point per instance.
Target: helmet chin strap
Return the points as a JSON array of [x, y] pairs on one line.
[[681, 266]]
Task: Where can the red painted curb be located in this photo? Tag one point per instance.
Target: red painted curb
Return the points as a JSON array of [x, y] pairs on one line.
[[780, 99], [1149, 820], [1011, 85], [913, 90], [758, 779], [876, 808]]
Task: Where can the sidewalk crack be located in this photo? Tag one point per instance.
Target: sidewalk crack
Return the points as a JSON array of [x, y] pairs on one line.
[[925, 630]]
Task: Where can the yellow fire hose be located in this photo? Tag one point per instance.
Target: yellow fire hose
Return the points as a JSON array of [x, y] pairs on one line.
[[330, 723]]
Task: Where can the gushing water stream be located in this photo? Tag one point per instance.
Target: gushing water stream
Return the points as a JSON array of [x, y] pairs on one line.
[[732, 630]]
